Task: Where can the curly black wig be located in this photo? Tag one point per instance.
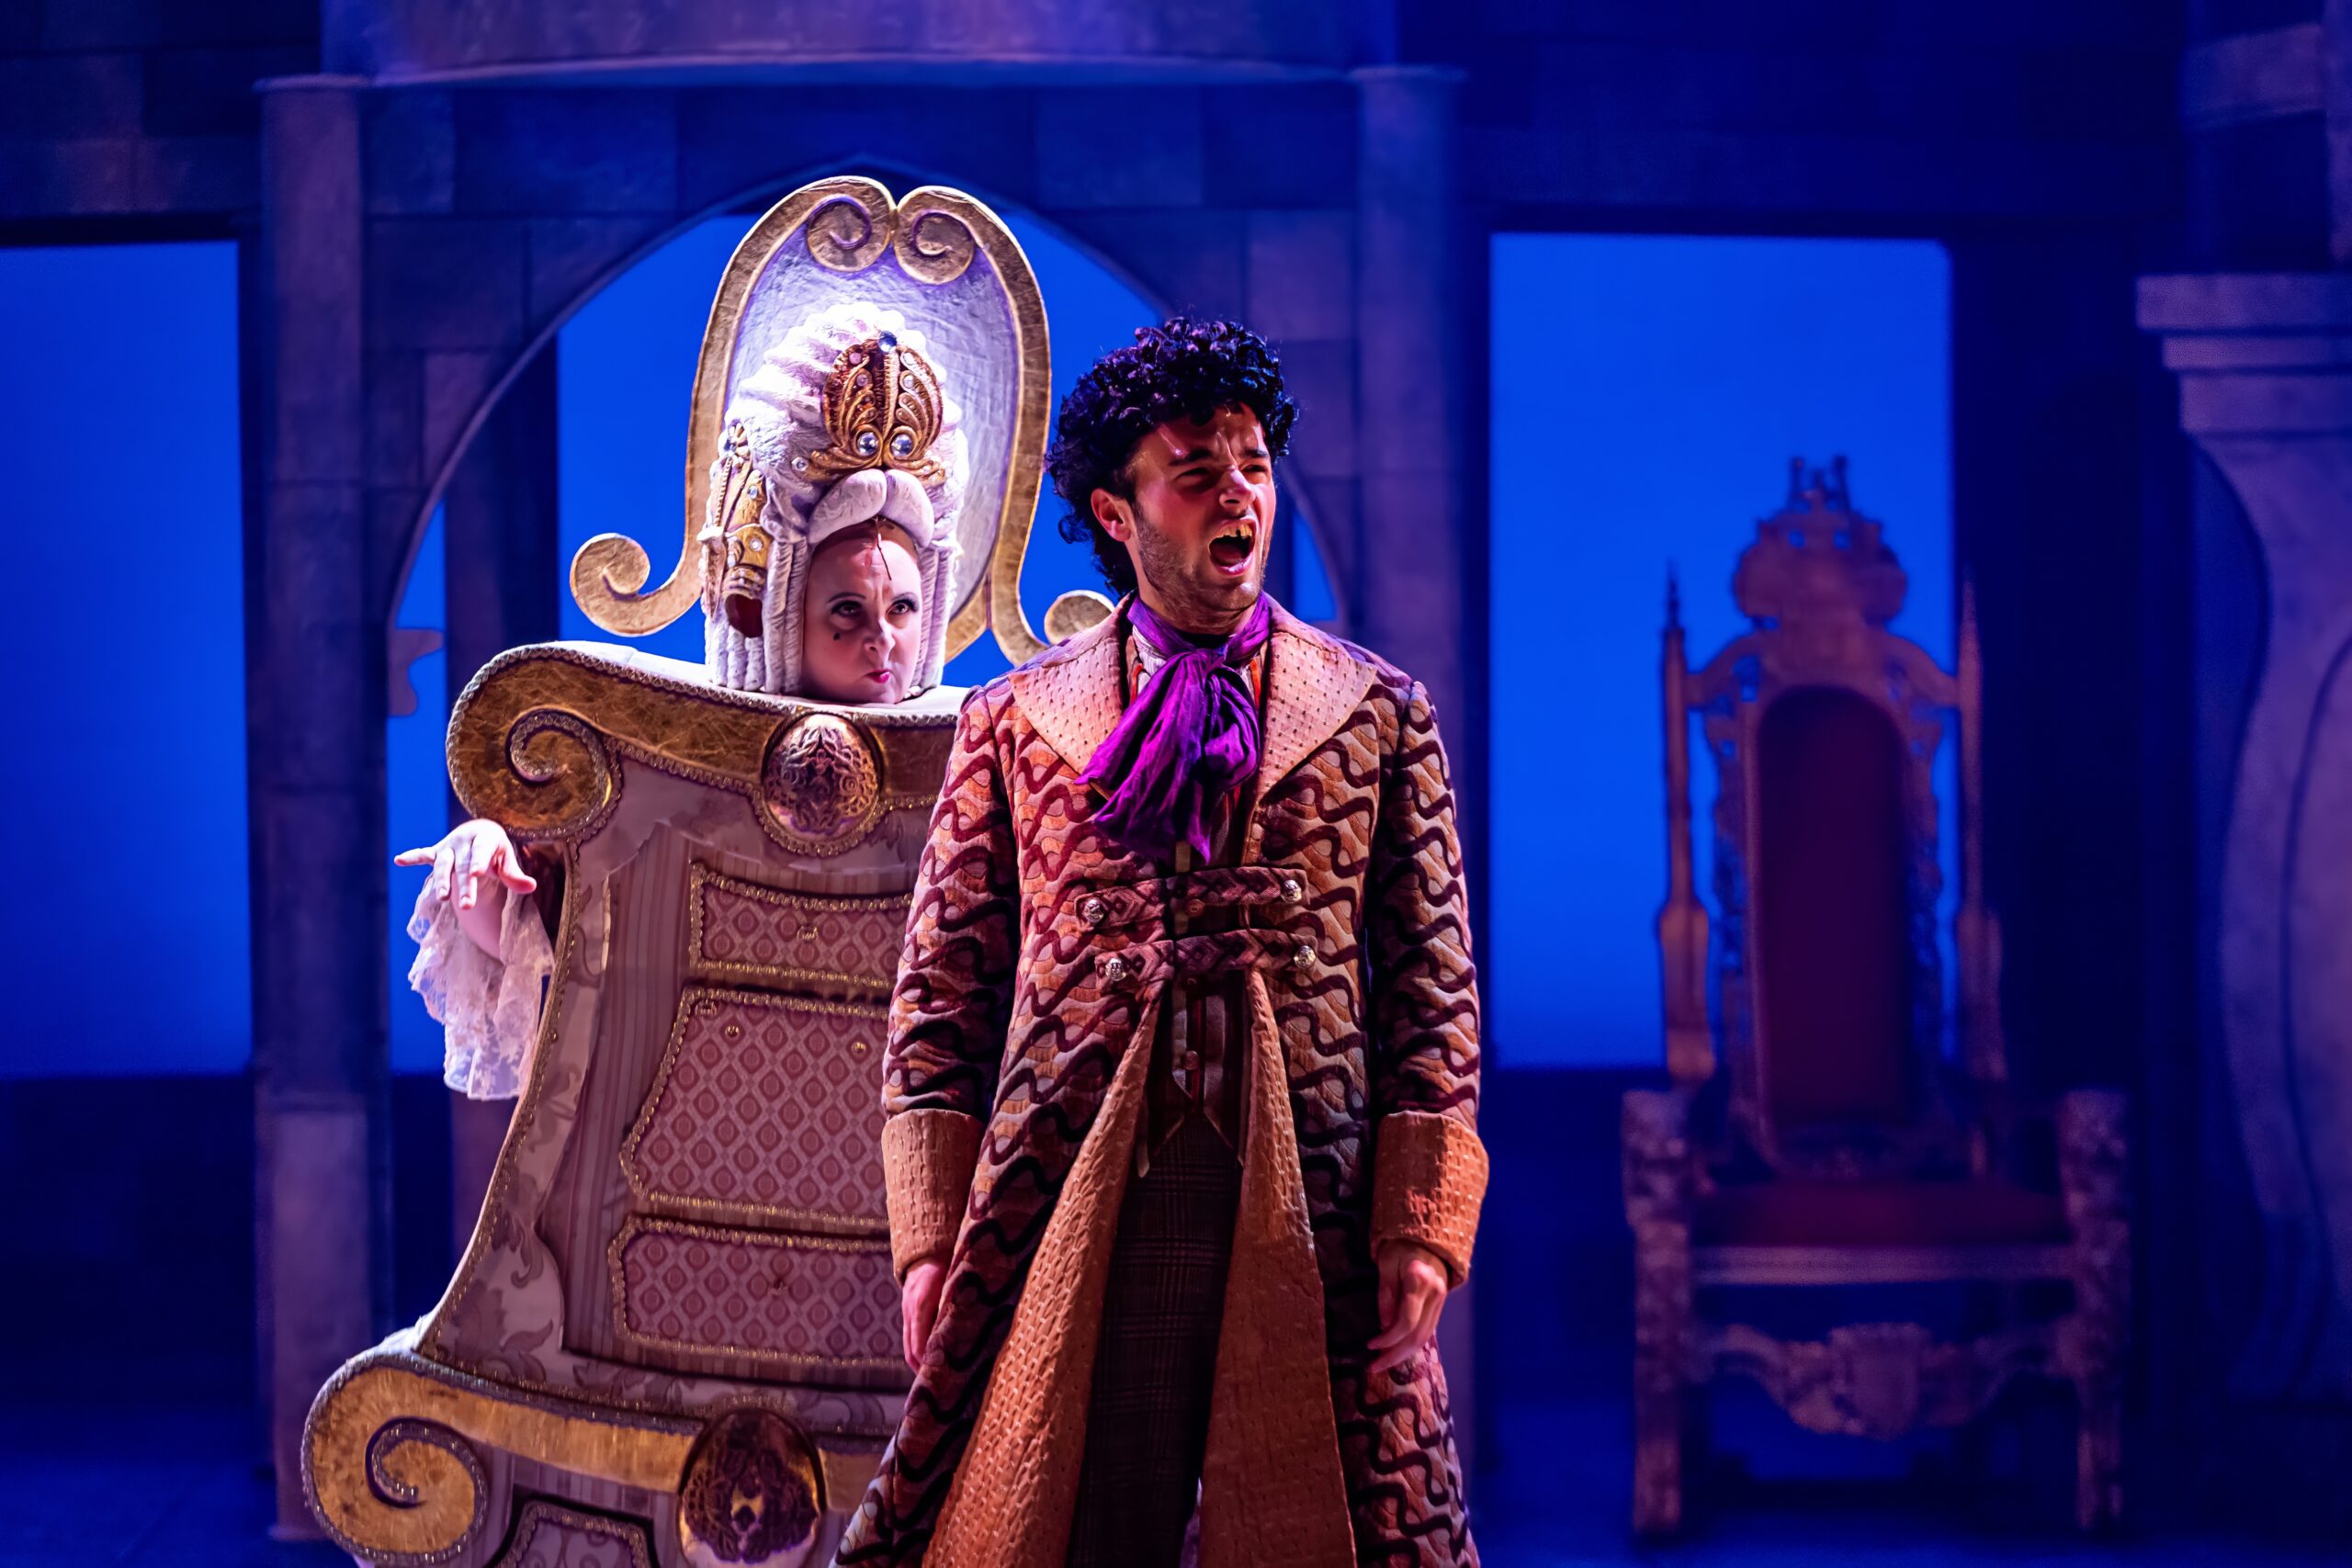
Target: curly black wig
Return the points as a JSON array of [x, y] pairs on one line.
[[1183, 369]]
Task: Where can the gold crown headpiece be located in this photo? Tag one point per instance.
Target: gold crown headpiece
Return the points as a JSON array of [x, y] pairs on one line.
[[883, 410]]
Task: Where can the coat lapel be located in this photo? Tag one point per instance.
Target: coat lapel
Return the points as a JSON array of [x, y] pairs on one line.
[[1313, 684], [1071, 694]]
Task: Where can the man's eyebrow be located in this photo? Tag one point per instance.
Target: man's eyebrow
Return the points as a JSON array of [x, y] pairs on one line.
[[1197, 455]]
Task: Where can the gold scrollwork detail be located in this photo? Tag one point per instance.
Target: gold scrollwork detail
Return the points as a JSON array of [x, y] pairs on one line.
[[935, 245], [844, 225], [1075, 611], [851, 227], [550, 747], [821, 786], [536, 742], [390, 1453], [390, 1484], [753, 1493]]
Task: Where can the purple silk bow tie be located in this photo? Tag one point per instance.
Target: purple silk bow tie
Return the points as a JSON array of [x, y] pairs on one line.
[[1188, 736]]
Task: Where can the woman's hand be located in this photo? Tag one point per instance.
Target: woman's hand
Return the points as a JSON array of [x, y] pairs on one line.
[[919, 1306], [1412, 1293], [476, 866]]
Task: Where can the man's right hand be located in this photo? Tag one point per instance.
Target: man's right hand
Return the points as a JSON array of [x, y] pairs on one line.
[[918, 1306]]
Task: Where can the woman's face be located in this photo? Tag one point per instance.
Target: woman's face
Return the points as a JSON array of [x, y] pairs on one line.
[[861, 627]]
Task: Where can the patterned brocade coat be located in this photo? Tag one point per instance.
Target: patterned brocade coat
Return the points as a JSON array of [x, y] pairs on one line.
[[1037, 952]]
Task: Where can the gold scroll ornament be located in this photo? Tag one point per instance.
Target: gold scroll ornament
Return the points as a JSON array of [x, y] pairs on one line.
[[848, 224]]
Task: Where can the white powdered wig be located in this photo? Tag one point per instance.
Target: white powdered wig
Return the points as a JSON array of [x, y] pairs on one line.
[[780, 406]]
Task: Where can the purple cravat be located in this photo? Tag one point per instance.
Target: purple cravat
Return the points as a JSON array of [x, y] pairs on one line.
[[1188, 736]]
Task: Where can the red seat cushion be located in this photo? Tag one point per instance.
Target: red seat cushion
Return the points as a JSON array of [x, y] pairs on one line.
[[1799, 1212]]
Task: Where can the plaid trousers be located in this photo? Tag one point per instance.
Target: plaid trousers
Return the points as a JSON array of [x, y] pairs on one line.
[[1148, 1416]]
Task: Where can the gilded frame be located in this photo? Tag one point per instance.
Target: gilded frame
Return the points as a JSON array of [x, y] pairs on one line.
[[628, 1334], [837, 1225], [834, 983], [935, 231]]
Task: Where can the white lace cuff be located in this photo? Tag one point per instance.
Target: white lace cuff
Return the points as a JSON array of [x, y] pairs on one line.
[[489, 1006]]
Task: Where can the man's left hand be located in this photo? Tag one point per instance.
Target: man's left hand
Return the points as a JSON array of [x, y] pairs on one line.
[[1412, 1293]]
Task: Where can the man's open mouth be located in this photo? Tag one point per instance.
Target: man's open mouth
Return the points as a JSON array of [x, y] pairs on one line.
[[1231, 548]]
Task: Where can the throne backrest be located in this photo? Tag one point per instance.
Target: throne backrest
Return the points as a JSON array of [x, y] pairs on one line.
[[1834, 973], [1824, 974]]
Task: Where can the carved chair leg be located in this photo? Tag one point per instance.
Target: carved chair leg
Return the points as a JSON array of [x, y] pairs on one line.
[[1659, 1175], [2098, 1457], [1660, 1400], [2091, 1171]]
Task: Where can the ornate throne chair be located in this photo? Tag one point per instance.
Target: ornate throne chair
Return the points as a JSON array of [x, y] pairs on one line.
[[674, 1337], [1836, 1144]]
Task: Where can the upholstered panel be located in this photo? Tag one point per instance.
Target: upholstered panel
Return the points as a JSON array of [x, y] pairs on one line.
[[742, 933], [766, 1109], [688, 1295], [1834, 918]]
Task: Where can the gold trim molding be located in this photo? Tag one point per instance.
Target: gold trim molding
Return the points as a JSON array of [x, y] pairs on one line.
[[539, 1513], [535, 738], [639, 1225], [690, 1001], [390, 1465], [844, 224], [838, 984]]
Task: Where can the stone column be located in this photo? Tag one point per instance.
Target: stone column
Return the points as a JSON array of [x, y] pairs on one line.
[[498, 532], [1410, 362], [2265, 362], [1409, 602], [315, 699]]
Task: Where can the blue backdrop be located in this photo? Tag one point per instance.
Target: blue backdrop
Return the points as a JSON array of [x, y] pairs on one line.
[[123, 941], [1648, 394]]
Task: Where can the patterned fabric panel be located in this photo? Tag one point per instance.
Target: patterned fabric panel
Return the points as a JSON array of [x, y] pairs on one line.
[[766, 1108], [548, 1535], [809, 1303], [838, 946]]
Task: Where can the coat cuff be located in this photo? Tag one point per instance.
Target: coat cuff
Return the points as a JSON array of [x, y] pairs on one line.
[[1429, 1178], [928, 1158]]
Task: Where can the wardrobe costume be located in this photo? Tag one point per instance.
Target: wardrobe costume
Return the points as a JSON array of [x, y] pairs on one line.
[[1021, 1099], [675, 1336]]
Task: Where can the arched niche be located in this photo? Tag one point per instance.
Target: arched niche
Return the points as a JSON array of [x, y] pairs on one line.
[[1067, 254]]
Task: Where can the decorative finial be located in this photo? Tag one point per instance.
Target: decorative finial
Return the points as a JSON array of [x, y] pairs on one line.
[[1673, 599]]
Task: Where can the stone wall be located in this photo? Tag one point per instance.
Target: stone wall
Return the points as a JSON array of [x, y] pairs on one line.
[[138, 110], [1838, 115]]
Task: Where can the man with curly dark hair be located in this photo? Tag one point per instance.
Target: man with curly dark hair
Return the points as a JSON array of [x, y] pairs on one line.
[[1184, 375], [1180, 1088]]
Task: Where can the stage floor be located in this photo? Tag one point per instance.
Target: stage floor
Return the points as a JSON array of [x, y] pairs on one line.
[[163, 1488]]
